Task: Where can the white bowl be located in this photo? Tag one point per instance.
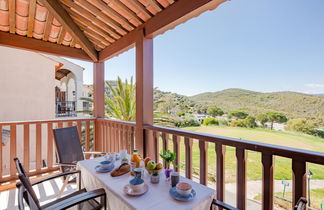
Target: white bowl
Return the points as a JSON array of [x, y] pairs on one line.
[[136, 184], [183, 188]]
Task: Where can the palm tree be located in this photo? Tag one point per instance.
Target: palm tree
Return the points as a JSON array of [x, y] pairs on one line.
[[120, 104]]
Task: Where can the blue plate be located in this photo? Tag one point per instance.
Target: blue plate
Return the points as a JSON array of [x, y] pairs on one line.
[[100, 169], [174, 194]]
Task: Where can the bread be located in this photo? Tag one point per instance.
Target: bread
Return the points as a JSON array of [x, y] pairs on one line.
[[123, 169]]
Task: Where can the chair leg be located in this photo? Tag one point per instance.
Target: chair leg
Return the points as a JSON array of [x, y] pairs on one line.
[[64, 186]]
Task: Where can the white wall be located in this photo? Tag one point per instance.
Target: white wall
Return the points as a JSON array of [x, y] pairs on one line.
[[27, 86]]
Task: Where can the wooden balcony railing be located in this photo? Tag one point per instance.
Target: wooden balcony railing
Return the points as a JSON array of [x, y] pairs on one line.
[[114, 135], [299, 159], [33, 143]]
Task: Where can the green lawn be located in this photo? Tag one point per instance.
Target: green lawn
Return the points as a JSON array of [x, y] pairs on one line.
[[282, 168]]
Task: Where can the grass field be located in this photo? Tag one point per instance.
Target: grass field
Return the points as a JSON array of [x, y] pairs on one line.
[[282, 168]]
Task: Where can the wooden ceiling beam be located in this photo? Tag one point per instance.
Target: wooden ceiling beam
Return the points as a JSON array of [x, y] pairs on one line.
[[100, 15], [80, 11], [175, 14], [141, 8], [31, 17], [25, 43], [12, 17], [129, 12], [70, 26], [113, 14], [155, 5], [48, 26]]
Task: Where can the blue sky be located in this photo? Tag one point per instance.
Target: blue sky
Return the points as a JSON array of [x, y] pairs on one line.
[[259, 45]]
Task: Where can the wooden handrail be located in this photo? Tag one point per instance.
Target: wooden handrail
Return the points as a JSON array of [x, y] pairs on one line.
[[45, 121], [293, 153]]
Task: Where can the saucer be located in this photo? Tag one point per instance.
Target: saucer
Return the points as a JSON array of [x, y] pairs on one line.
[[174, 194], [130, 192], [100, 169]]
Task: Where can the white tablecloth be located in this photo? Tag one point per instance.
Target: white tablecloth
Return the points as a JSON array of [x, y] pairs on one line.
[[157, 196]]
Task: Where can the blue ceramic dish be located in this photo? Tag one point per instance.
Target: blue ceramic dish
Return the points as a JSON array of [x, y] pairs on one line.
[[100, 169], [174, 194], [136, 181]]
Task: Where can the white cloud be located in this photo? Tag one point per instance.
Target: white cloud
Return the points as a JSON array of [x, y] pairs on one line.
[[315, 85]]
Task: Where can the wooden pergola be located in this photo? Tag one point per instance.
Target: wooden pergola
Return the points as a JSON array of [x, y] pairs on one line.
[[96, 30]]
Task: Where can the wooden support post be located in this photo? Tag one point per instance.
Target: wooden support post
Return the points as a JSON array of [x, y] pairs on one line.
[[299, 180], [220, 171], [144, 94], [98, 100], [267, 182], [241, 179]]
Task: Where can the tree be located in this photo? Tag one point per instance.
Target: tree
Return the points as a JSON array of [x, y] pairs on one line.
[[276, 117], [210, 121], [238, 114], [249, 122], [121, 104], [263, 119], [301, 125], [215, 111]]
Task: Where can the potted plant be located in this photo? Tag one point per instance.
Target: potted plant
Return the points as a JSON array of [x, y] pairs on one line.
[[155, 177], [169, 158]]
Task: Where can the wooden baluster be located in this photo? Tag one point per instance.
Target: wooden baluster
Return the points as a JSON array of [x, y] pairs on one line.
[[220, 171], [50, 145], [176, 149], [117, 138], [26, 147], [125, 137], [241, 179], [299, 180], [69, 123], [38, 146], [110, 140], [13, 149], [60, 124], [165, 143], [132, 136], [113, 142], [203, 148], [79, 126], [87, 138], [156, 145], [188, 148], [1, 152], [104, 137], [267, 181]]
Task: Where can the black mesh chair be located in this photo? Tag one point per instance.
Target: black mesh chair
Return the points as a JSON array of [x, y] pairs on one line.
[[69, 151], [301, 204], [81, 198]]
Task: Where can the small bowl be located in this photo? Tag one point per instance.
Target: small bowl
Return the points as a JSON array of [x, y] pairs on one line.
[[183, 188], [136, 184], [105, 164]]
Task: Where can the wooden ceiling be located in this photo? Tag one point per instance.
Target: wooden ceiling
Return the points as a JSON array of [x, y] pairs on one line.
[[92, 25]]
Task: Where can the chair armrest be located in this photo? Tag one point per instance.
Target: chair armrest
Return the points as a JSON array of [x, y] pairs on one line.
[[223, 205], [72, 201], [56, 176], [66, 164], [95, 153]]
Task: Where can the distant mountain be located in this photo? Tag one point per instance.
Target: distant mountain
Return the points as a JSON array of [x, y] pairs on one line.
[[293, 104], [322, 95]]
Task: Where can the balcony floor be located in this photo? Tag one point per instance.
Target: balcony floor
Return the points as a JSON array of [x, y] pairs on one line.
[[46, 192]]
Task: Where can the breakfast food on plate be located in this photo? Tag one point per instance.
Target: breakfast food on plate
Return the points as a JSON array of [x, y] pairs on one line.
[[183, 188], [123, 169]]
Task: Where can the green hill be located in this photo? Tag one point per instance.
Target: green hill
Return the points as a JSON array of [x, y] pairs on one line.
[[293, 104]]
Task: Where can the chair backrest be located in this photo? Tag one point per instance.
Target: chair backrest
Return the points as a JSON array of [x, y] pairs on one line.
[[26, 188], [68, 145]]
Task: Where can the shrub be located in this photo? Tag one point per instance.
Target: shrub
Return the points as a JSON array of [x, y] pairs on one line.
[[224, 122], [186, 123], [181, 114], [300, 125], [238, 123], [210, 121], [215, 111]]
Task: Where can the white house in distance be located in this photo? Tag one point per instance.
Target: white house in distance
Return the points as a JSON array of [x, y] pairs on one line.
[[34, 86]]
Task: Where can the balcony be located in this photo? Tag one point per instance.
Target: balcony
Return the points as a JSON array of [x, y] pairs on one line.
[[37, 154], [65, 109]]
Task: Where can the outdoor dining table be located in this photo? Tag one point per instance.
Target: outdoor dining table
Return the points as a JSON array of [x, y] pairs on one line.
[[157, 196]]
